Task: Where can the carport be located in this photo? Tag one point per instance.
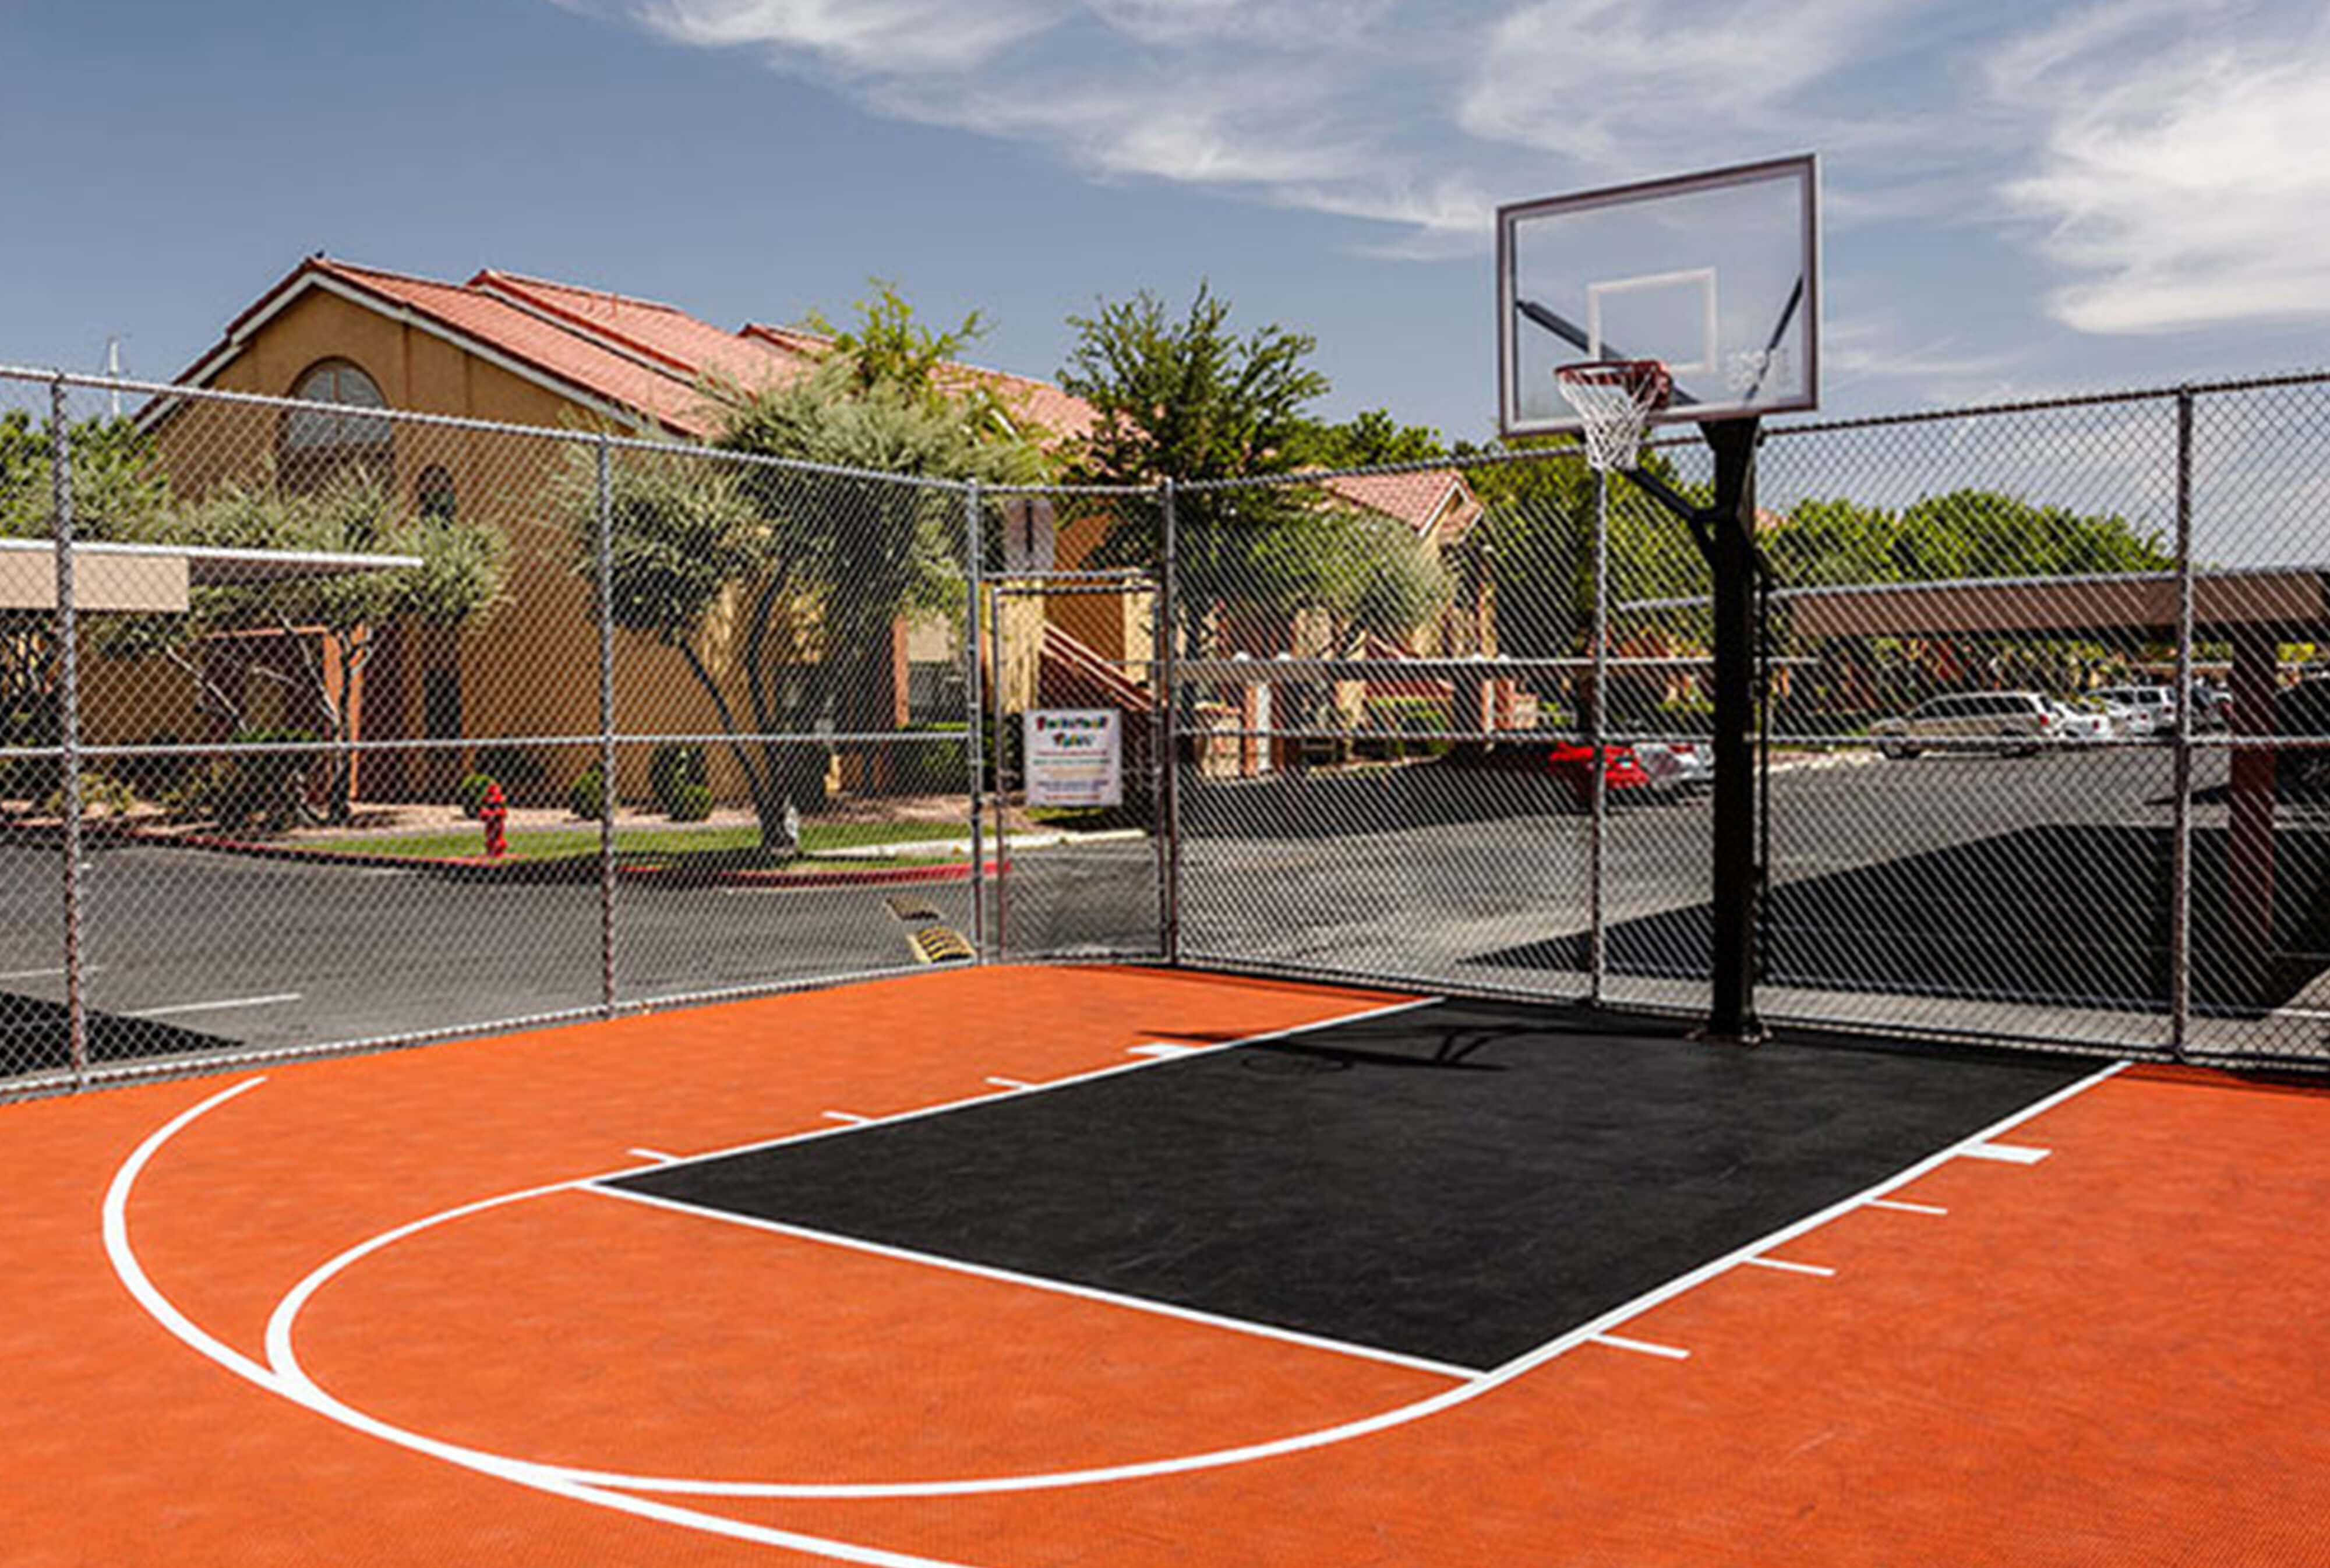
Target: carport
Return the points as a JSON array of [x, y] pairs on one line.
[[2253, 611], [127, 578]]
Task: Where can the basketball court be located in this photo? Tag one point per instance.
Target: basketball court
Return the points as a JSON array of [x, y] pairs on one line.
[[1003, 1265], [1035, 1266]]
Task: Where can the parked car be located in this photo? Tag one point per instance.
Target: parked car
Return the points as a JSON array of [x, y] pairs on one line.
[[1623, 773], [1677, 765], [2081, 719], [2155, 705], [2012, 722]]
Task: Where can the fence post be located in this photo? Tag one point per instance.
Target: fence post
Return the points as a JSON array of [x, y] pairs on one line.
[[975, 706], [1597, 957], [1169, 683], [2180, 863], [61, 497], [606, 580]]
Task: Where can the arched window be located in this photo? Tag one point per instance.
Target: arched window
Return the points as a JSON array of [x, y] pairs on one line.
[[435, 494], [315, 445]]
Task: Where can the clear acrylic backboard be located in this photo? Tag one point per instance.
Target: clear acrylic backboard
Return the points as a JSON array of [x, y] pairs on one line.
[[1716, 274]]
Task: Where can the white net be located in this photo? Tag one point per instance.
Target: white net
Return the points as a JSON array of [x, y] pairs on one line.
[[1615, 399]]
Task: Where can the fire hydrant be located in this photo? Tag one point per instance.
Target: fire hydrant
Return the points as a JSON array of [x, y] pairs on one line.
[[494, 812]]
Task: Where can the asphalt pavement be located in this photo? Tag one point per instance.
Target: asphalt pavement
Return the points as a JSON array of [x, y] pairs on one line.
[[1428, 874]]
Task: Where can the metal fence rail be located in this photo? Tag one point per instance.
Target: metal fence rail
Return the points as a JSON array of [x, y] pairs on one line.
[[756, 724]]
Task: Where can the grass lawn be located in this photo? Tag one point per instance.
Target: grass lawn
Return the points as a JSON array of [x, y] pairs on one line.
[[632, 843]]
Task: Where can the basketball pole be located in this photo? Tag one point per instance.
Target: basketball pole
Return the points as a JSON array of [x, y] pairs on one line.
[[1734, 564], [1725, 532]]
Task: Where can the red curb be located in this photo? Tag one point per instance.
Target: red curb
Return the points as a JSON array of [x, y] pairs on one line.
[[579, 868]]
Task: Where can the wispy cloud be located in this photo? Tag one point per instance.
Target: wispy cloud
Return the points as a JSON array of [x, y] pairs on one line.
[[2180, 177]]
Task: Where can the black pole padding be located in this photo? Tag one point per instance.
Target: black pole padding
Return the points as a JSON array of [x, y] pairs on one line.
[[1731, 1012]]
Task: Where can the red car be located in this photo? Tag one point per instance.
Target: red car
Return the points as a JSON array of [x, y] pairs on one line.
[[1573, 764]]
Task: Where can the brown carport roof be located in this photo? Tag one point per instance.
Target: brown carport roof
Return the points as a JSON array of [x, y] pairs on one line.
[[2291, 603]]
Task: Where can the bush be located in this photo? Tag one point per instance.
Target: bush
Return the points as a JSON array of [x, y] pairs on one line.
[[691, 803], [587, 796], [471, 792], [522, 774], [676, 766], [268, 786], [101, 796]]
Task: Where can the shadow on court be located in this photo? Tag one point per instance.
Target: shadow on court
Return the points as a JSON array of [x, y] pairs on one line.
[[2069, 916]]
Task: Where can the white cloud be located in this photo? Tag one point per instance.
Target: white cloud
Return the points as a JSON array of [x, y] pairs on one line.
[[2180, 175], [1626, 85], [860, 36]]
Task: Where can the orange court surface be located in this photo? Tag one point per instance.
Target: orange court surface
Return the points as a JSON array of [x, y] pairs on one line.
[[367, 1310]]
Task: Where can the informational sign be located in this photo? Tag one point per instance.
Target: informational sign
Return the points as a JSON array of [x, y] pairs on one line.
[[1075, 757]]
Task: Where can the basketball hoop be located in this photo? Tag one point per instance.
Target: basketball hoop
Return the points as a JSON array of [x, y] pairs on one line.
[[1615, 398]]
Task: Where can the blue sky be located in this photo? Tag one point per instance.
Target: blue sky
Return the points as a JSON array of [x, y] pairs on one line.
[[2021, 198]]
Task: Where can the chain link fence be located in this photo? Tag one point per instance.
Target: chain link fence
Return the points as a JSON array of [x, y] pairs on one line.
[[2044, 749]]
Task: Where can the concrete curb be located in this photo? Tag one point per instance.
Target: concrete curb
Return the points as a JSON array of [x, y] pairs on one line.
[[579, 868]]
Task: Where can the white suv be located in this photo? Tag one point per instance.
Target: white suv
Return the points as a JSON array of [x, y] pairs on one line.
[[2012, 720], [2154, 708]]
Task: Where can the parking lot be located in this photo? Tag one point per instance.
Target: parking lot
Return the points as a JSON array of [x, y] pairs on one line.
[[2031, 885]]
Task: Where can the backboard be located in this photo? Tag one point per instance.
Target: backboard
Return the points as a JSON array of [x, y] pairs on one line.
[[1717, 274]]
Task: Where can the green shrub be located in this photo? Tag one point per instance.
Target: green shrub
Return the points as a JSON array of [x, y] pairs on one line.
[[1407, 714], [587, 796], [522, 774], [471, 792], [268, 787], [676, 766], [691, 803], [101, 796]]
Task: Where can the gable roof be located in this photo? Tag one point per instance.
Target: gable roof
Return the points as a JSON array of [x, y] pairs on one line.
[[629, 359], [1429, 500]]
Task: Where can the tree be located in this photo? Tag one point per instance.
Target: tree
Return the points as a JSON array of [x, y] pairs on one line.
[[1191, 400], [780, 586], [330, 625], [117, 492], [1368, 439]]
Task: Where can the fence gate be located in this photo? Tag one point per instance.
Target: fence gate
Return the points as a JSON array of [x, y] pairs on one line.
[[1075, 741]]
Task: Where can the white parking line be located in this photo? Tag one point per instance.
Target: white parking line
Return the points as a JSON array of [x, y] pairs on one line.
[[1619, 1342], [2010, 1153], [56, 974], [225, 1004], [1782, 1263]]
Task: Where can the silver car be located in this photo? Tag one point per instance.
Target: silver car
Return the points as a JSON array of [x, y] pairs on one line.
[[2006, 722]]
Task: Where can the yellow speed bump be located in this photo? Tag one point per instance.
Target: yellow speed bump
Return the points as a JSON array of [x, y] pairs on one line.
[[939, 945]]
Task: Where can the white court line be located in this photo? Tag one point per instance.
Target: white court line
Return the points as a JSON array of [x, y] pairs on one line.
[[1041, 1283], [970, 1102], [656, 1155], [288, 1379], [851, 1117], [1162, 1051], [227, 1005], [1618, 1341], [56, 974], [301, 1390], [1010, 1083], [1906, 1209], [2010, 1153], [1823, 1270]]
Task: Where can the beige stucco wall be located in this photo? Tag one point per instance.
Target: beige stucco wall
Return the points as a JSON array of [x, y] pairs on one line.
[[531, 668]]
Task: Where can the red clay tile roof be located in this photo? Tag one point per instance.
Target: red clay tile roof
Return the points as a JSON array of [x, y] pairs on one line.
[[1424, 500], [669, 335], [635, 354]]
